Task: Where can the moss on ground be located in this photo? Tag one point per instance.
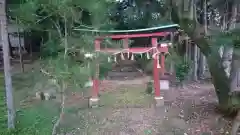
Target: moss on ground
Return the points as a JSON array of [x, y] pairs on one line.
[[36, 119]]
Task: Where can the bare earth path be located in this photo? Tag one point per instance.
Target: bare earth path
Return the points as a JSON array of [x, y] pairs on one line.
[[188, 111], [127, 110]]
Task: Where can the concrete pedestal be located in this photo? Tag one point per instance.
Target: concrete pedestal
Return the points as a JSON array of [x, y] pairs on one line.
[[93, 102], [159, 101]]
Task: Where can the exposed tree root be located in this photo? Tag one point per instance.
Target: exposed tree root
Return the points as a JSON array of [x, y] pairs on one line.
[[54, 130], [236, 124]]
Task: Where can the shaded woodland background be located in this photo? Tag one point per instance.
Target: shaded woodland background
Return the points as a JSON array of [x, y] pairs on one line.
[[205, 46]]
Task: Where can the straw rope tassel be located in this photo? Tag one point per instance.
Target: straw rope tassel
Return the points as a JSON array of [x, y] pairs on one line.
[[148, 56], [141, 55], [158, 63], [132, 58], [122, 56], [109, 59], [115, 58], [128, 55]]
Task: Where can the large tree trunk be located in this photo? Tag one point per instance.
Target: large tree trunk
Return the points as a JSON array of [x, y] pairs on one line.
[[202, 57], [219, 79], [235, 70]]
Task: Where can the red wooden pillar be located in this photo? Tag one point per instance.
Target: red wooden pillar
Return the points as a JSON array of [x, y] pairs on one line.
[[95, 87], [156, 71], [97, 43]]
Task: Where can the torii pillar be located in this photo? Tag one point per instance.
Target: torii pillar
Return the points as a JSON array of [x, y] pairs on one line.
[[156, 77], [94, 99]]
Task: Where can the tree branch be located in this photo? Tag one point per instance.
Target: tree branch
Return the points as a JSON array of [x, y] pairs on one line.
[[193, 29]]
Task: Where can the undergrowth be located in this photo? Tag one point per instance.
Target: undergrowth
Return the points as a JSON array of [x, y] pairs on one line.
[[36, 119]]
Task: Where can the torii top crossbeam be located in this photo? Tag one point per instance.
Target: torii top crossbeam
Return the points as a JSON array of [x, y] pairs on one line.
[[159, 28], [159, 31]]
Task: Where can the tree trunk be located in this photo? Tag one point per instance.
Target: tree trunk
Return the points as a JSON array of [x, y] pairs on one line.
[[235, 66], [20, 51], [227, 59], [219, 80], [195, 70], [202, 57]]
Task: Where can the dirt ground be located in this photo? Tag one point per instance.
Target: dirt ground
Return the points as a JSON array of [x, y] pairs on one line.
[[188, 111], [126, 109]]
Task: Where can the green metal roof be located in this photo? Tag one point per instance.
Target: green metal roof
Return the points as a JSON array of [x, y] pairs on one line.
[[128, 31]]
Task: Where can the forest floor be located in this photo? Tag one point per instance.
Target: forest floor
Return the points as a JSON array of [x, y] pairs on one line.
[[125, 109]]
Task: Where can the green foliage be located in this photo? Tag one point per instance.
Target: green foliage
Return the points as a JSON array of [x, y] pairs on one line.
[[104, 67], [144, 63], [188, 25], [223, 38], [182, 69], [63, 52], [229, 38], [149, 89], [50, 48], [141, 14], [64, 49], [65, 70], [3, 110]]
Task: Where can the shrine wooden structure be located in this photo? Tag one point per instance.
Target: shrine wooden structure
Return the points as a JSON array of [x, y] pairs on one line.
[[157, 51]]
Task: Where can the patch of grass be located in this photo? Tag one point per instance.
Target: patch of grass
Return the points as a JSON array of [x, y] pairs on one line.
[[3, 110], [36, 119], [127, 96]]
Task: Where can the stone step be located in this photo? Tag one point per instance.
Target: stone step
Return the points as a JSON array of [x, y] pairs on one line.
[[123, 75]]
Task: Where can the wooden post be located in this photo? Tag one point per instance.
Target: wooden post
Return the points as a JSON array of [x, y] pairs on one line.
[[186, 5], [7, 70], [202, 65], [126, 46], [187, 49], [156, 79], [97, 45], [95, 88], [195, 76], [96, 76], [203, 58], [20, 51]]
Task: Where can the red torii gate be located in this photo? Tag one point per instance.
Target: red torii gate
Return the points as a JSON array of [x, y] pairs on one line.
[[155, 49]]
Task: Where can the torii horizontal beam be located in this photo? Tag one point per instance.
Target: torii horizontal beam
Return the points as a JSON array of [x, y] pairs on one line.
[[133, 50], [123, 36]]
